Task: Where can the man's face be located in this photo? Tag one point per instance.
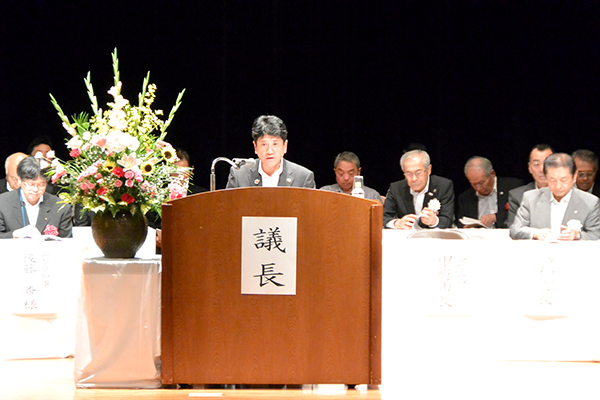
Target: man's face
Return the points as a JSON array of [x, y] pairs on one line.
[[415, 173], [270, 151], [586, 174], [344, 175], [11, 171], [536, 166], [560, 181], [484, 185], [184, 164], [33, 189], [43, 148]]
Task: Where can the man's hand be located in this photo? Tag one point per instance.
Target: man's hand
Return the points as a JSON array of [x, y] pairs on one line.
[[405, 222], [567, 233], [488, 220], [429, 217], [26, 231], [158, 238], [542, 234]]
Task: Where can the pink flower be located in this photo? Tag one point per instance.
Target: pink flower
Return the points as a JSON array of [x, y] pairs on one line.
[[129, 183], [127, 198], [75, 153], [98, 175], [129, 174], [118, 183], [57, 176], [50, 230]]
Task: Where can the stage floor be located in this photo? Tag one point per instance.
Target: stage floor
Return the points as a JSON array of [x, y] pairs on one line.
[[52, 379]]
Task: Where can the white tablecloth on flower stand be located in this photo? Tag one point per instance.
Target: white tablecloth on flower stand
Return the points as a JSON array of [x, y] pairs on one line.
[[118, 324]]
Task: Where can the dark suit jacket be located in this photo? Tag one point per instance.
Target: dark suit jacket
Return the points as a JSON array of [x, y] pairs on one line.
[[3, 184], [51, 213], [468, 202], [292, 175], [399, 201]]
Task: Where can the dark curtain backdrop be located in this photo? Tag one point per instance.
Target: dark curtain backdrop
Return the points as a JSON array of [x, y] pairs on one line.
[[490, 78]]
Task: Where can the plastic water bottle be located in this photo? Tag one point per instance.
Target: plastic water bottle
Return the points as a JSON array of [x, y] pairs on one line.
[[357, 190]]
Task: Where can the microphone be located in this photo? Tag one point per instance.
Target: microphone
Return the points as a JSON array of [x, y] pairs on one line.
[[239, 162]]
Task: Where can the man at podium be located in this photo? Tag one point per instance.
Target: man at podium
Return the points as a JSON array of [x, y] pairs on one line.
[[269, 136]]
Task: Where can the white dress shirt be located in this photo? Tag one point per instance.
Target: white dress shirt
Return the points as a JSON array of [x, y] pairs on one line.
[[557, 212], [273, 180], [488, 204]]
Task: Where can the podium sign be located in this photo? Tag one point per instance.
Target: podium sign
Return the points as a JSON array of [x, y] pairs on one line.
[[269, 255]]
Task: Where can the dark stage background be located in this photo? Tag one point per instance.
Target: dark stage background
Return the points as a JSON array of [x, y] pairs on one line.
[[490, 78]]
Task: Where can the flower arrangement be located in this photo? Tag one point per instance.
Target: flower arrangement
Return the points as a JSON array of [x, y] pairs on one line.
[[118, 161]]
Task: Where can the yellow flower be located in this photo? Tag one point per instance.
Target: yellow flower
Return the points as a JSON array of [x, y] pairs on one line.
[[147, 168], [169, 153], [109, 165]]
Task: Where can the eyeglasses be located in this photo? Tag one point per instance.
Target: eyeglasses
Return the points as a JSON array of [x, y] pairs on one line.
[[417, 174], [30, 185], [586, 174]]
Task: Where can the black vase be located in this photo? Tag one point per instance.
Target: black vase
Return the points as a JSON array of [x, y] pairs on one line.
[[120, 236]]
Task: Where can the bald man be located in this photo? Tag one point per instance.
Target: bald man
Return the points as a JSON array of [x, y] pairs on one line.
[[11, 181]]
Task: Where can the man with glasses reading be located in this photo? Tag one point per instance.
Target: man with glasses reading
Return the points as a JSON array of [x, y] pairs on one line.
[[587, 169], [421, 200], [29, 211]]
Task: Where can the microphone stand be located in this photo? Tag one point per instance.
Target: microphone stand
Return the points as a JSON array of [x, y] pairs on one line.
[[213, 176]]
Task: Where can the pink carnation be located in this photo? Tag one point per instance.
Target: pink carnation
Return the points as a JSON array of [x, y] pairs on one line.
[[75, 153], [118, 183], [129, 183], [50, 230]]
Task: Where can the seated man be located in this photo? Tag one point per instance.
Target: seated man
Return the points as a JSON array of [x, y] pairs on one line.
[[421, 197], [558, 211], [346, 166], [586, 163], [185, 162], [536, 168], [30, 211], [487, 200], [269, 136], [11, 181]]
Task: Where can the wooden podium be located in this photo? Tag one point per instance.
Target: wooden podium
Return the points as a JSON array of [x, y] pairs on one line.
[[328, 332]]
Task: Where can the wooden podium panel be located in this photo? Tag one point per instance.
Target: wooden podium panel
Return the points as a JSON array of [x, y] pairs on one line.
[[329, 332]]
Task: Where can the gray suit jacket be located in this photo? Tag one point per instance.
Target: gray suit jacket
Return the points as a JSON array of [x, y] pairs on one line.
[[534, 213], [370, 194], [515, 197], [293, 175], [51, 213]]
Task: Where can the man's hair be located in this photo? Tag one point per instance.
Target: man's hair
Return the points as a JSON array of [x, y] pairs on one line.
[[6, 165], [586, 156], [479, 162], [183, 155], [44, 139], [541, 147], [268, 125], [29, 168], [347, 156], [559, 160], [415, 153]]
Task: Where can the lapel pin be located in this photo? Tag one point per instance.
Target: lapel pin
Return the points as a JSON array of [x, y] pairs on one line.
[[289, 180], [256, 181]]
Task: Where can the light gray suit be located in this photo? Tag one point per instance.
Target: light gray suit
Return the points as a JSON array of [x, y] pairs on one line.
[[534, 213], [293, 175], [51, 213]]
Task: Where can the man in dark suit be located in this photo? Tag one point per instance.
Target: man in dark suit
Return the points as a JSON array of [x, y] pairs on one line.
[[559, 211], [587, 169], [421, 198], [487, 200], [537, 156], [11, 181], [269, 136], [30, 211]]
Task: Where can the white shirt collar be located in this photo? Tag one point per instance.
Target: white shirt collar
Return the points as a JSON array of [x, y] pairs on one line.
[[273, 180]]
